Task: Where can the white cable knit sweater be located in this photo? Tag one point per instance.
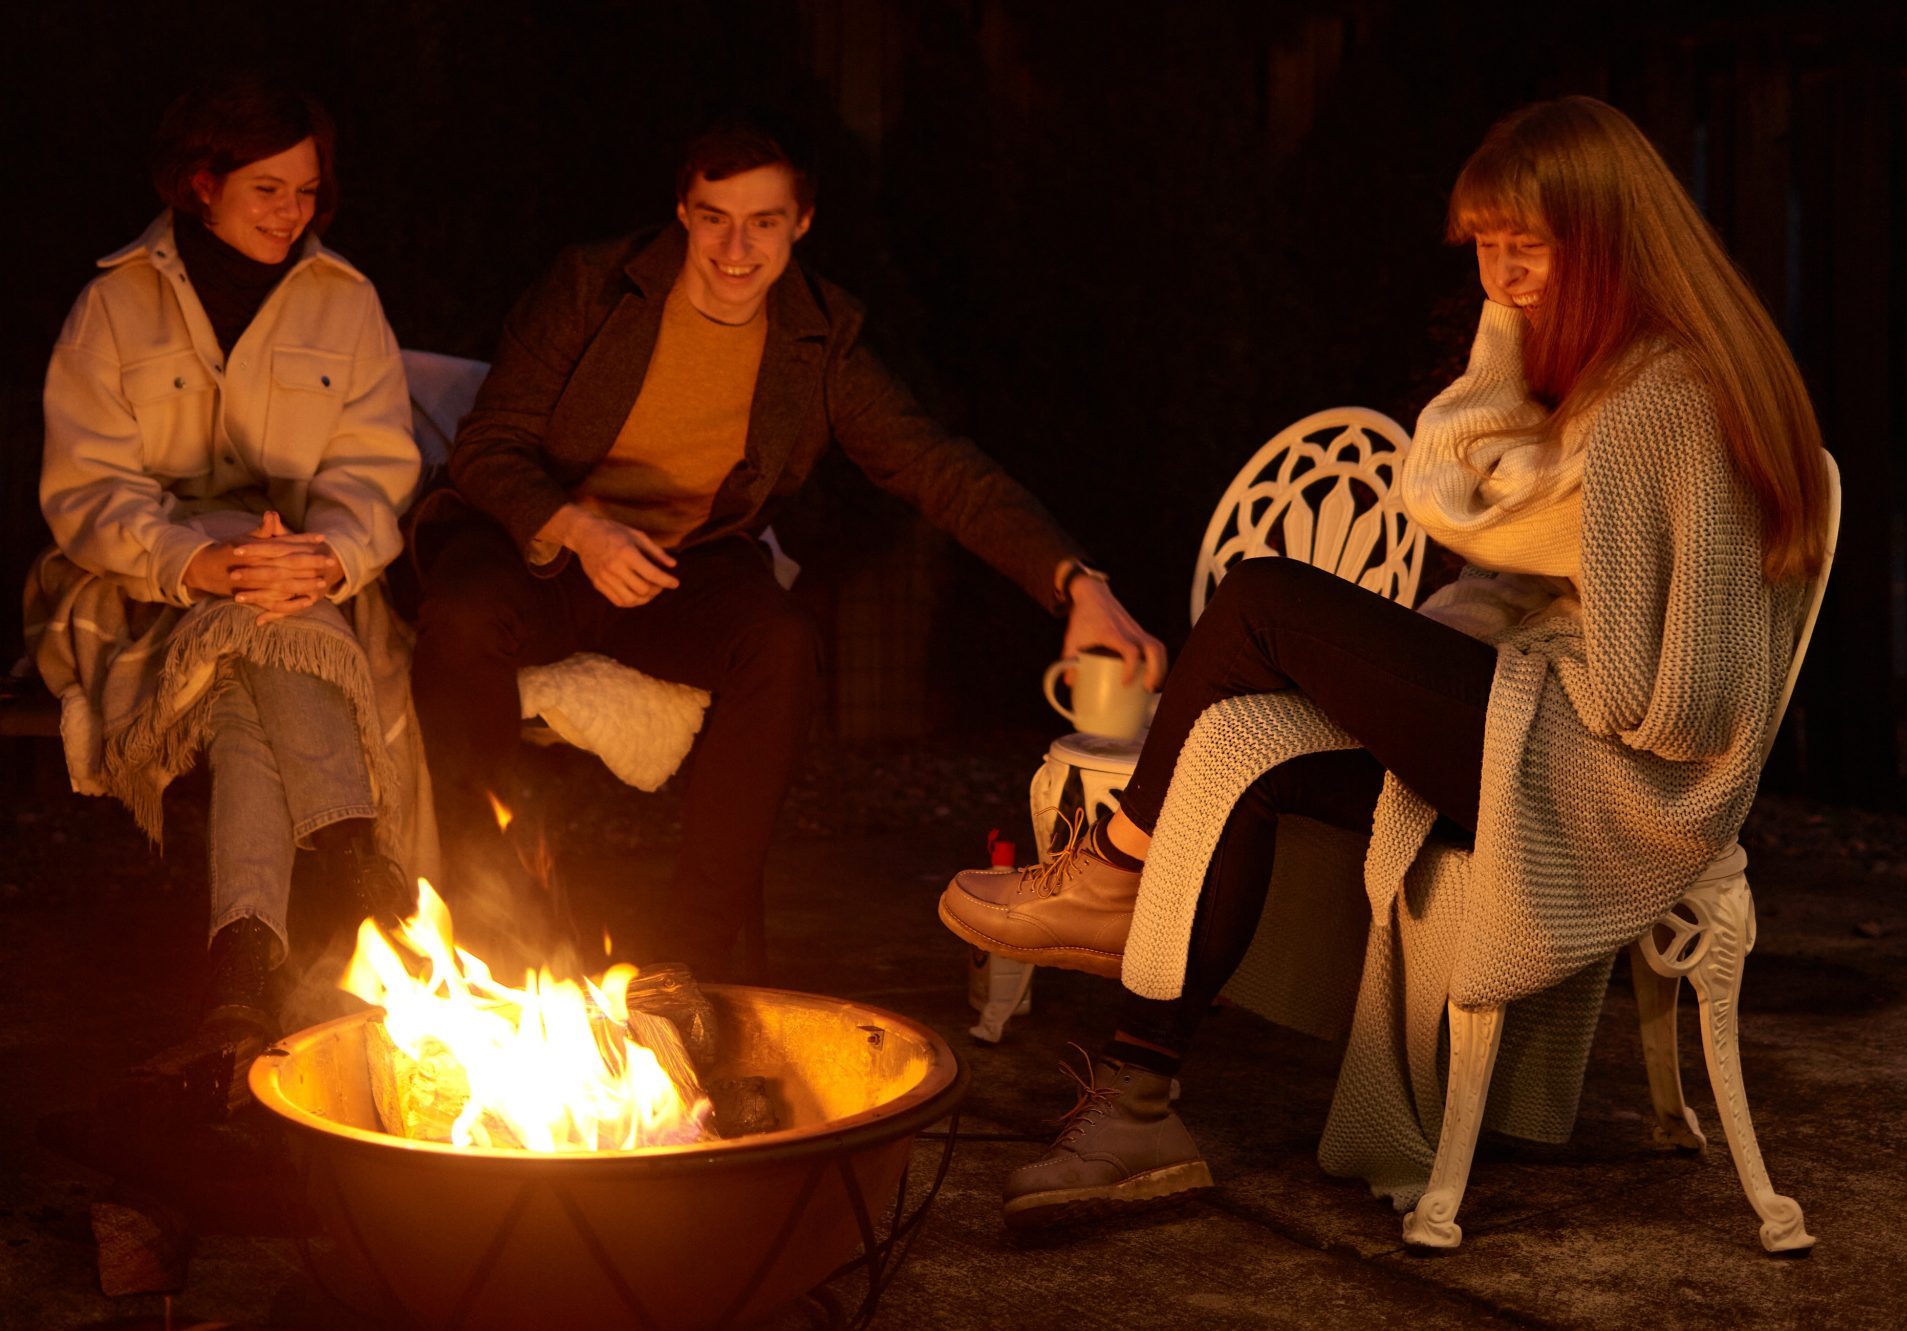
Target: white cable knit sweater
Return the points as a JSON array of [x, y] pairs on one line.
[[1508, 508], [1621, 751]]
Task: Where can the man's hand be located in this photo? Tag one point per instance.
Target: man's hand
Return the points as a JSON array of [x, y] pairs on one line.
[[1098, 620], [624, 564]]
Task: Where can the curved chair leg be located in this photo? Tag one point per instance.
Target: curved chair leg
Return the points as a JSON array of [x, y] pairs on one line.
[[1474, 1040], [1730, 911], [1675, 1123], [1706, 937]]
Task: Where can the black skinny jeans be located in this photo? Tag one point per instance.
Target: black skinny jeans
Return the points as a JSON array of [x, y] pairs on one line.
[[1413, 692]]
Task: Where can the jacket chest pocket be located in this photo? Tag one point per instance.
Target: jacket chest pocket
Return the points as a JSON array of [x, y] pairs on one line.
[[173, 399], [301, 415]]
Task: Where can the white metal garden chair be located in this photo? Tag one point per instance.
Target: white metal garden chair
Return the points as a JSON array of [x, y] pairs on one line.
[[1704, 938]]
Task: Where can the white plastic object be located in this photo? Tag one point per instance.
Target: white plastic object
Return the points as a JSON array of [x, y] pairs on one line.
[[997, 988], [1704, 938]]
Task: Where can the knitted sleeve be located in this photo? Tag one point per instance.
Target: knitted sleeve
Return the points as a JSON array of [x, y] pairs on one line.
[[1506, 503], [1683, 638]]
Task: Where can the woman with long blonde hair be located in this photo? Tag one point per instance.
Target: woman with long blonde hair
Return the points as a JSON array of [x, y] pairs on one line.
[[1631, 467]]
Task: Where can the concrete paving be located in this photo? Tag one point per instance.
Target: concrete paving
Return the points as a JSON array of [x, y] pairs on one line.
[[97, 939]]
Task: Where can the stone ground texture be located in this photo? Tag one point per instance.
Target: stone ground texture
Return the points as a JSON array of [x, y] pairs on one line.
[[98, 936]]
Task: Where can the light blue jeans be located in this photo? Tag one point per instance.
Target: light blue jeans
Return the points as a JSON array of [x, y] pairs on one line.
[[286, 761]]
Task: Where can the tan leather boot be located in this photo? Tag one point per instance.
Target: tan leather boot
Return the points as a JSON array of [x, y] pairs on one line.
[[1120, 1145], [1073, 912]]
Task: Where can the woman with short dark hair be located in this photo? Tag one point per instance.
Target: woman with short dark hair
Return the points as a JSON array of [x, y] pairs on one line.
[[227, 450]]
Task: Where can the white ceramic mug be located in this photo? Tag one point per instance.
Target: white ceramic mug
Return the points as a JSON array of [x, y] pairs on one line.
[[1103, 702]]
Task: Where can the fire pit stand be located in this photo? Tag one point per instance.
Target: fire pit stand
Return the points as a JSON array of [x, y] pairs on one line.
[[880, 1258], [682, 1238]]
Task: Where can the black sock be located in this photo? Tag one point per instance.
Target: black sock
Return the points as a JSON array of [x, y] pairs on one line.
[[1100, 844], [1144, 1056]]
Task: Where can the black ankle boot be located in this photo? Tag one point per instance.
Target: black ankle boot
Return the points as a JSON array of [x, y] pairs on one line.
[[201, 1079], [238, 970], [361, 876]]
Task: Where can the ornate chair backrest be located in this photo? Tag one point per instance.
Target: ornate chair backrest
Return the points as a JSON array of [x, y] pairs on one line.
[[1817, 588], [1324, 490]]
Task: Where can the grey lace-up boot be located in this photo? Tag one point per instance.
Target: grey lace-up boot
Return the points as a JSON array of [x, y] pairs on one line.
[[1121, 1144]]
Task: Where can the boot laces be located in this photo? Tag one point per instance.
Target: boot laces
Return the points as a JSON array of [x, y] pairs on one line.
[[1092, 1103], [1050, 878]]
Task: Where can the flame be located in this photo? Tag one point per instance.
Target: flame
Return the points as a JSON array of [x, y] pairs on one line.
[[549, 1064], [501, 810]]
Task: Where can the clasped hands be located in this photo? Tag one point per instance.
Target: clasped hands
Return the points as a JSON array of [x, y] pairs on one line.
[[272, 567]]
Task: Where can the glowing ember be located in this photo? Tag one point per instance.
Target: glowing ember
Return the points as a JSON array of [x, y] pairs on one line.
[[547, 1066], [502, 812]]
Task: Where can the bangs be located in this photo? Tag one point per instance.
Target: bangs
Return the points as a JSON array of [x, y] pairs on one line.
[[1494, 192]]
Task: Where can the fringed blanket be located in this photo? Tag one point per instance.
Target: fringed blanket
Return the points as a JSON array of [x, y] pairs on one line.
[[136, 681]]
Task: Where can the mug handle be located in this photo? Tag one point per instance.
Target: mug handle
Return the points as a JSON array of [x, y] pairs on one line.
[[1053, 672]]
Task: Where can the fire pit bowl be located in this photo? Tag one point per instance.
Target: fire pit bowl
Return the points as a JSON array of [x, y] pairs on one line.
[[710, 1235]]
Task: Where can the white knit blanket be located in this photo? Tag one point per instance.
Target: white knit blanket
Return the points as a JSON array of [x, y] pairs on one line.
[[1621, 752], [640, 726]]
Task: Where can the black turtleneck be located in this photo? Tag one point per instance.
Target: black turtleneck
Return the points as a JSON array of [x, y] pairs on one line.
[[230, 285]]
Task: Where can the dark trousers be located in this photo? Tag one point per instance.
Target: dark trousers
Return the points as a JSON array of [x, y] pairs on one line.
[[1411, 690], [729, 629]]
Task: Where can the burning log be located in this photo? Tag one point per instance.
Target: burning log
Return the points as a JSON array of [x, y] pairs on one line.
[[423, 1097], [742, 1106], [668, 1010], [460, 1055], [670, 1015], [667, 989]]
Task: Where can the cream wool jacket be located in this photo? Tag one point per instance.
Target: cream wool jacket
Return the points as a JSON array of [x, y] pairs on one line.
[[147, 420]]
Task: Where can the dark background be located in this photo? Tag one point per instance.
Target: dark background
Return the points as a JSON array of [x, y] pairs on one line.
[[1121, 245]]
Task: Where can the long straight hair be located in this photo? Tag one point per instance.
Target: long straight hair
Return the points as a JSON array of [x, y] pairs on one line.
[[1632, 260]]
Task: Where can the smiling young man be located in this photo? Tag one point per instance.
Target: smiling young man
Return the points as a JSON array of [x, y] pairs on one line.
[[654, 402]]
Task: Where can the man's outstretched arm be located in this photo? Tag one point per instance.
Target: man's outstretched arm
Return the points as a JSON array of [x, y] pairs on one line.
[[961, 490]]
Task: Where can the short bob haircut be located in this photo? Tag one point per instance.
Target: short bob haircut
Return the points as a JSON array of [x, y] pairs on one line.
[[223, 126], [741, 141]]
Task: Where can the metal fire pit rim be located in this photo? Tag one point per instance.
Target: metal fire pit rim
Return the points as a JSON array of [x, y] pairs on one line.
[[936, 1096]]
